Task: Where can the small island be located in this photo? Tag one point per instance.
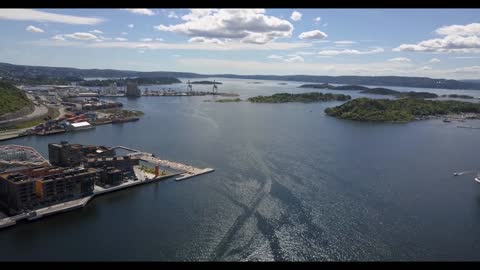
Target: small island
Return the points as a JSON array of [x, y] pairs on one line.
[[228, 100], [303, 97], [332, 87], [400, 110], [205, 82], [458, 96]]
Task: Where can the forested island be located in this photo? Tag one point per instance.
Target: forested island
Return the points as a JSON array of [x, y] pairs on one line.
[[399, 110], [458, 96], [228, 100], [303, 97], [205, 82]]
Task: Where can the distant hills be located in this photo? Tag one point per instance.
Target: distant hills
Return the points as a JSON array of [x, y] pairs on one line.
[[21, 74]]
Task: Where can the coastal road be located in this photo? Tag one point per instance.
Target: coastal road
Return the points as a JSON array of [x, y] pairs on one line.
[[38, 112]]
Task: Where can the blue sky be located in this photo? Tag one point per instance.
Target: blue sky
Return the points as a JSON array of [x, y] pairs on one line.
[[439, 43]]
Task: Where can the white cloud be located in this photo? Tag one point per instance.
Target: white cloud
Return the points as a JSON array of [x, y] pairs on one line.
[[176, 55], [205, 40], [41, 16], [159, 39], [400, 60], [58, 38], [434, 60], [345, 42], [349, 52], [34, 29], [314, 34], [325, 24], [305, 53], [96, 31], [146, 39], [475, 70], [172, 14], [121, 39], [295, 59], [459, 30], [246, 25], [317, 19], [141, 11], [426, 68], [274, 56], [296, 16], [124, 33], [130, 25], [456, 39], [81, 36]]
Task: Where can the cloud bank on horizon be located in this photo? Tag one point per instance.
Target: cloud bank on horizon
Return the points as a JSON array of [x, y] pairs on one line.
[[432, 43]]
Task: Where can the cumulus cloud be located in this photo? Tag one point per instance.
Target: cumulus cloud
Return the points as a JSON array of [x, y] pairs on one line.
[[81, 36], [426, 68], [459, 30], [96, 31], [34, 29], [314, 34], [41, 16], [146, 39], [317, 19], [159, 39], [121, 39], [349, 52], [296, 16], [456, 38], [130, 25], [246, 25], [141, 11], [124, 33], [434, 60], [400, 60], [172, 14]]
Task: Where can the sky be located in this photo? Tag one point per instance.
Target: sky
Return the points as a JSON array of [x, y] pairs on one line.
[[436, 43]]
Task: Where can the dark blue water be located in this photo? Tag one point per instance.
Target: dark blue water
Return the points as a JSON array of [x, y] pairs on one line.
[[290, 184]]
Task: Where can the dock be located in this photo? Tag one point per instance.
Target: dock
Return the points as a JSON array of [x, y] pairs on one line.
[[187, 171]]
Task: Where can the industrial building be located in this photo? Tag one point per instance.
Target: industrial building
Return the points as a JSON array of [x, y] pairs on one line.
[[133, 90], [26, 189]]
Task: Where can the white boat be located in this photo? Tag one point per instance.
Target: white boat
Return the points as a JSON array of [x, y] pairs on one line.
[[477, 179]]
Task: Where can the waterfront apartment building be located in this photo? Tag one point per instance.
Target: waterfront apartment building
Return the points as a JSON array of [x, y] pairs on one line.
[[133, 90], [68, 155], [26, 189]]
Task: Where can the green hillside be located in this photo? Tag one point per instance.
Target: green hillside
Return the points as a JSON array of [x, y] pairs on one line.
[[11, 98]]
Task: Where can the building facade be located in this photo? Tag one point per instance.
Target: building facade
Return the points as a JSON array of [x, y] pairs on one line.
[[33, 188], [132, 90]]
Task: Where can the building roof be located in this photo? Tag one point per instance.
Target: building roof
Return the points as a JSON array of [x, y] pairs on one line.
[[81, 124]]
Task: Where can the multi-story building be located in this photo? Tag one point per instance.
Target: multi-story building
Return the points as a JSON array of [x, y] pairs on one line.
[[133, 90], [68, 155], [27, 189]]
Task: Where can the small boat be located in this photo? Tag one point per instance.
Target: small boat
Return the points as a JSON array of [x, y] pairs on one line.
[[447, 120], [456, 174], [477, 179]]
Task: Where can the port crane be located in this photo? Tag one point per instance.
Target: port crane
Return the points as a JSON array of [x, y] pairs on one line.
[[215, 88], [189, 87]]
